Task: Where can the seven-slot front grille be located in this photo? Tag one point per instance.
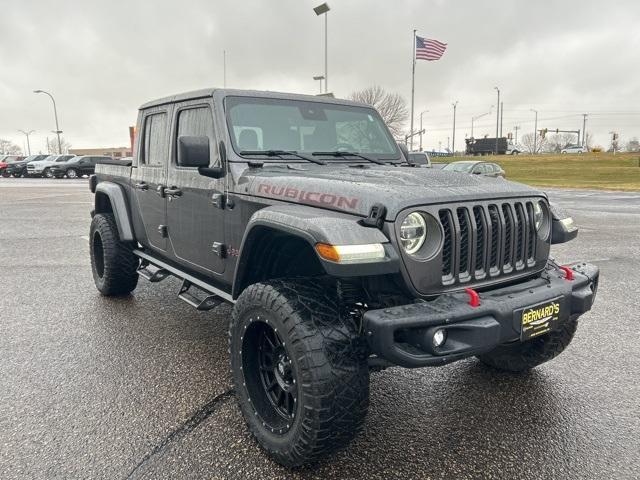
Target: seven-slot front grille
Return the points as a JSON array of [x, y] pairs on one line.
[[487, 240]]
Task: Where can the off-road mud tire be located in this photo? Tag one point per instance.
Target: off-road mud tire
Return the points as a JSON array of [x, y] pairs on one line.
[[521, 357], [113, 264], [329, 364]]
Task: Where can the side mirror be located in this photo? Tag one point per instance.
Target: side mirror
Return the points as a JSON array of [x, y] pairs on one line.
[[216, 172], [405, 151], [193, 151]]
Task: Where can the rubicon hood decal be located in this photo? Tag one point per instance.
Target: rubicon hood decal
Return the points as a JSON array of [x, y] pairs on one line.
[[355, 190]]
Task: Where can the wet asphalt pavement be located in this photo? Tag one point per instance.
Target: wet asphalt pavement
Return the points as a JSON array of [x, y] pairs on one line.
[[139, 387]]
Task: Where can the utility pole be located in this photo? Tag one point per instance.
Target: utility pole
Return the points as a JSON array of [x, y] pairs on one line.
[[497, 118], [516, 128], [501, 117], [584, 129], [453, 142], [535, 133]]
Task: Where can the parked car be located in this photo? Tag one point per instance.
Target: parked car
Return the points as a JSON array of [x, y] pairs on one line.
[[420, 159], [574, 149], [332, 270], [487, 169], [77, 166], [19, 168], [42, 168], [8, 160]]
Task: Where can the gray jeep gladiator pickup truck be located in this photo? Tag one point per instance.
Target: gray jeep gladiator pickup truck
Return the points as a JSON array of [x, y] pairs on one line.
[[339, 255]]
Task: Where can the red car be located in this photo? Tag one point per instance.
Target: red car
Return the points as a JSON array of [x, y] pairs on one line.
[[6, 160]]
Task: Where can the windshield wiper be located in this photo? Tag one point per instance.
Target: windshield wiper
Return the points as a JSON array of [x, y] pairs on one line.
[[280, 153], [340, 153]]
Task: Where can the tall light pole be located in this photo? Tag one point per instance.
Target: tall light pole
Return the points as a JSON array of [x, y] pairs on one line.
[[322, 10], [516, 128], [584, 130], [27, 135], [473, 119], [55, 113], [535, 132], [497, 118], [319, 78], [453, 139], [421, 129]]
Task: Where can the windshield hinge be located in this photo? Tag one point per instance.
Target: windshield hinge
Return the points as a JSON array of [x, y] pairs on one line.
[[376, 217]]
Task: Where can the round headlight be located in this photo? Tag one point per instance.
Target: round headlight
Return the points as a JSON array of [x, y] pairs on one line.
[[413, 232], [538, 215]]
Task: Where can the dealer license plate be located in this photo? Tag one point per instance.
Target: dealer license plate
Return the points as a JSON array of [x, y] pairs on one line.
[[539, 319]]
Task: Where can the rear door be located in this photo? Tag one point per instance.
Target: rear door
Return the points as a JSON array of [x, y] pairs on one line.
[[149, 175], [196, 217]]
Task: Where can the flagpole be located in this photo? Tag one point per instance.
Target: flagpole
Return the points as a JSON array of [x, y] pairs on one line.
[[413, 81]]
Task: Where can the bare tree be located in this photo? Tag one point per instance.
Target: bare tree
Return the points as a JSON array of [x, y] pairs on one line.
[[52, 146], [527, 141], [392, 107], [556, 143], [7, 147], [633, 145]]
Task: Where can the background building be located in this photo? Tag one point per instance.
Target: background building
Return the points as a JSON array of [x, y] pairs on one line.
[[115, 152]]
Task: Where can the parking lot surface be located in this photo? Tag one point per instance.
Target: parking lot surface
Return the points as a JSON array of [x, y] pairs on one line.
[[139, 387]]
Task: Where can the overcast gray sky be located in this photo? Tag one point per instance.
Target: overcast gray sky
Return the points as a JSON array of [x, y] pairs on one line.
[[102, 59]]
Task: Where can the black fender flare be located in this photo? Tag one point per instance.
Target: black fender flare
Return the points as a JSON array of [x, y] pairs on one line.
[[118, 201], [315, 225]]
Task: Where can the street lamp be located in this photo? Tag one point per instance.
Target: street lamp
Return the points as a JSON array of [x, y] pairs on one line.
[[421, 129], [27, 135], [322, 10], [453, 140], [55, 113], [535, 132], [473, 119], [497, 118], [319, 78]]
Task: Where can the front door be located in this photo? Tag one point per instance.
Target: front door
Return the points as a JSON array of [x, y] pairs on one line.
[[195, 216], [148, 178]]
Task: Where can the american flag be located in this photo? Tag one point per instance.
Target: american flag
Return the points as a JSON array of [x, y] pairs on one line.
[[429, 49]]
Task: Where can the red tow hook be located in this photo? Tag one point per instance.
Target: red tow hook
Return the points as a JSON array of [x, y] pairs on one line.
[[474, 298], [568, 273]]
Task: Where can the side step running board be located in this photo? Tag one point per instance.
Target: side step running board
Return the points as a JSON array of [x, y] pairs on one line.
[[153, 276], [203, 304], [214, 296]]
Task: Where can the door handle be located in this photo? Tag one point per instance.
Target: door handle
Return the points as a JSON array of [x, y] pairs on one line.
[[173, 192], [142, 186]]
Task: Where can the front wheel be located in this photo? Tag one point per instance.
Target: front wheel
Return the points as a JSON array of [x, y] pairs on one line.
[[113, 263], [520, 357], [47, 173], [299, 369]]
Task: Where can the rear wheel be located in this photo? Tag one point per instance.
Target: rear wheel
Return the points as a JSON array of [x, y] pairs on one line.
[[113, 264], [520, 357], [299, 370], [71, 173]]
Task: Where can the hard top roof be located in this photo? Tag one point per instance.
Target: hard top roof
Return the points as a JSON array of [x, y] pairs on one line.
[[209, 92]]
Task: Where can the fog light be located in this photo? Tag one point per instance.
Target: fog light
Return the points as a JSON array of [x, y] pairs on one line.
[[439, 338]]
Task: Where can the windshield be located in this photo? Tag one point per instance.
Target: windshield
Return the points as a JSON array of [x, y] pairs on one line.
[[459, 167], [262, 124], [64, 158]]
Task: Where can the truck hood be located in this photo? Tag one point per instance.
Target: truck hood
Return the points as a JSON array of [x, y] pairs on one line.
[[355, 190]]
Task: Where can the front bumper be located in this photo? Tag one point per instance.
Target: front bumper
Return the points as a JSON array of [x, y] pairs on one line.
[[402, 335]]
